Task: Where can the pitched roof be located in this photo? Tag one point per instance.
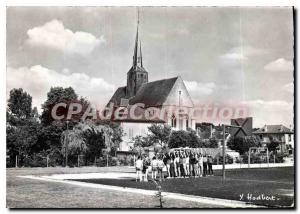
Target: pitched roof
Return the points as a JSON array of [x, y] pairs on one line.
[[154, 93], [273, 129], [119, 93]]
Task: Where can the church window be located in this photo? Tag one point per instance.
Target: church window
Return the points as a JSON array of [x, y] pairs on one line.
[[173, 121], [187, 123]]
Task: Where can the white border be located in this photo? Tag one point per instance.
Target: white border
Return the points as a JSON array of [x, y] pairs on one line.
[[152, 3], [102, 3]]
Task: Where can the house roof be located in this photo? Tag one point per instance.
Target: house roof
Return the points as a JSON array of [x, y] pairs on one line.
[[154, 93], [273, 129]]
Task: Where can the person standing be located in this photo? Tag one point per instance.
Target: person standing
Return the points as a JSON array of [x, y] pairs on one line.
[[177, 166], [192, 165], [181, 168], [187, 164], [184, 163], [160, 166], [139, 168], [172, 166], [154, 168], [200, 164], [146, 166], [204, 165], [166, 160], [209, 163]]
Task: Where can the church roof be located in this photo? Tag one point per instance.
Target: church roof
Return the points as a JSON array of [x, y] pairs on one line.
[[151, 94], [119, 93], [154, 93]]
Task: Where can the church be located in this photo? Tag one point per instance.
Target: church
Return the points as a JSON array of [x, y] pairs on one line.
[[164, 94]]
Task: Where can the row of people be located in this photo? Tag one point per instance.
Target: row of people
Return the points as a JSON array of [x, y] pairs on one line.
[[174, 164]]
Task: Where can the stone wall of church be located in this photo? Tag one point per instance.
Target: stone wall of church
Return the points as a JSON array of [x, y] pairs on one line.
[[179, 95]]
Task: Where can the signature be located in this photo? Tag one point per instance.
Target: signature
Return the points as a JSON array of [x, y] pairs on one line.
[[259, 197]]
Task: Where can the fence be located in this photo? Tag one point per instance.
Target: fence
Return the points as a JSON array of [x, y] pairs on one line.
[[73, 161]]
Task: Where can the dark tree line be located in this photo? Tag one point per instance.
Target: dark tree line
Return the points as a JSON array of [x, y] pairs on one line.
[[32, 137]]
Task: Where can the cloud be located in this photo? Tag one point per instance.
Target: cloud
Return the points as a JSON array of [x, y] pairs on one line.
[[37, 81], [279, 65], [288, 87], [242, 53], [238, 56], [54, 35], [270, 112], [200, 88], [267, 104]]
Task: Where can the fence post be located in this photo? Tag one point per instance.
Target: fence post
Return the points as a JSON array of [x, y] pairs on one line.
[[249, 158], [240, 162], [16, 161], [134, 160], [47, 160], [78, 160], [268, 157], [274, 159], [107, 160]]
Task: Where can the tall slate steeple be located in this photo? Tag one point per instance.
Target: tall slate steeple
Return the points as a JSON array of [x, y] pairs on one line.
[[137, 75]]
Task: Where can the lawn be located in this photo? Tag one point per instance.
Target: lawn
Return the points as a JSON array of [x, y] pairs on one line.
[[28, 193], [276, 183]]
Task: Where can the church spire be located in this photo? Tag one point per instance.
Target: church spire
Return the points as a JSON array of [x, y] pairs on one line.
[[140, 58], [137, 75], [137, 56]]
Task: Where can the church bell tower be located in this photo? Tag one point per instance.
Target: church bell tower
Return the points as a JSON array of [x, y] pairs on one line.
[[137, 75]]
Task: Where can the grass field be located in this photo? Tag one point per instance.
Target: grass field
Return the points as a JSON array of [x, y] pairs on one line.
[[276, 183], [28, 193]]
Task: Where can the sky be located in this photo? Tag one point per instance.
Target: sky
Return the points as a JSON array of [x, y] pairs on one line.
[[225, 55]]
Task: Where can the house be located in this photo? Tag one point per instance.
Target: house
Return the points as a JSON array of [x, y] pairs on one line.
[[141, 103], [277, 133]]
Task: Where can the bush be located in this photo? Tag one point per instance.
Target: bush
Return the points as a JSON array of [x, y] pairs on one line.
[[261, 158], [279, 158], [126, 161], [219, 160], [37, 160], [102, 161]]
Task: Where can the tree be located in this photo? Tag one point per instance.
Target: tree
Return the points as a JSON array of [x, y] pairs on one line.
[[19, 103], [242, 144], [183, 138], [85, 138], [20, 140], [35, 114], [49, 136], [159, 134], [272, 146], [178, 139], [96, 138], [211, 143], [57, 95], [22, 128], [205, 130], [193, 139], [117, 134], [139, 143]]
